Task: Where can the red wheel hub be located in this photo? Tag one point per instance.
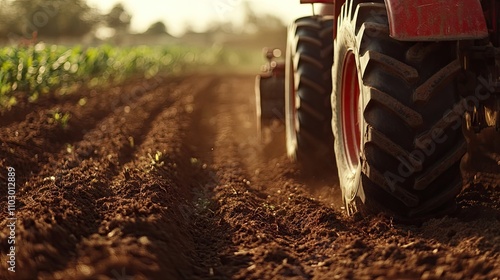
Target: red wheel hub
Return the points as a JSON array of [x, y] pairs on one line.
[[350, 112]]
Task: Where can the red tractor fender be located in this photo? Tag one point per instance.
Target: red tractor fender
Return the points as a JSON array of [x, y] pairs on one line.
[[316, 1], [429, 20], [436, 20]]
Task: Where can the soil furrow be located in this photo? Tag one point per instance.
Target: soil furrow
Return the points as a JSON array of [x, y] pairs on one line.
[[63, 155], [30, 143], [76, 190], [24, 107], [252, 218], [142, 207]]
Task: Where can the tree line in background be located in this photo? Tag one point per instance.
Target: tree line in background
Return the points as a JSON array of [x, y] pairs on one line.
[[56, 18], [25, 19]]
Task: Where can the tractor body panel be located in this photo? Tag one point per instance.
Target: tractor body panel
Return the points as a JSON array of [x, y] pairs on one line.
[[436, 20], [315, 1]]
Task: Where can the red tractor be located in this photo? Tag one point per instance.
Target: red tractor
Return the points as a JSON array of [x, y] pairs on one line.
[[396, 92]]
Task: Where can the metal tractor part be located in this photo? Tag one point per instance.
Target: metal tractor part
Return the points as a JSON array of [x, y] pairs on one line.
[[269, 90], [481, 126]]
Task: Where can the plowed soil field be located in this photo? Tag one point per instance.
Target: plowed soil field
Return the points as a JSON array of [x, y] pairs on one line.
[[166, 179]]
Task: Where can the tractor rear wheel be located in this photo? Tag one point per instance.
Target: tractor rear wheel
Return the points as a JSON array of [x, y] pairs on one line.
[[308, 87], [398, 141]]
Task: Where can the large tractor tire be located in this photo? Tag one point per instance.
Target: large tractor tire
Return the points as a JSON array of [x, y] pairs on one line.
[[308, 85], [398, 141]]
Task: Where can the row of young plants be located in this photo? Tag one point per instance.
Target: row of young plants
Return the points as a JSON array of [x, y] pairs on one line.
[[32, 71]]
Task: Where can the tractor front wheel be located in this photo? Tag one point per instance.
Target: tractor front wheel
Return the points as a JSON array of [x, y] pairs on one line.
[[398, 141]]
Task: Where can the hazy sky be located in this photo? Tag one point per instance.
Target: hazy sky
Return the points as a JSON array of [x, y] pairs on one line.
[[197, 13]]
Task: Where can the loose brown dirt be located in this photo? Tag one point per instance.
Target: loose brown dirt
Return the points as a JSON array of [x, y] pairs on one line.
[[166, 179]]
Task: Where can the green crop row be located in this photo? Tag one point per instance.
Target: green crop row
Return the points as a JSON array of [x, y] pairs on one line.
[[36, 70]]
